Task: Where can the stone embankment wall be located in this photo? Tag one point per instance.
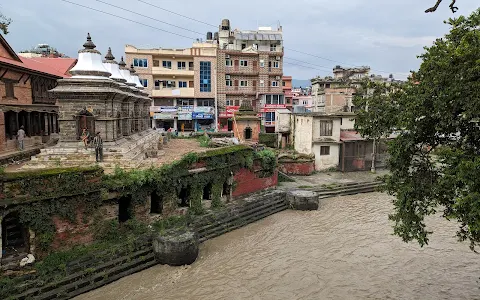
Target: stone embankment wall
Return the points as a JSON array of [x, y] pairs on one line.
[[297, 167]]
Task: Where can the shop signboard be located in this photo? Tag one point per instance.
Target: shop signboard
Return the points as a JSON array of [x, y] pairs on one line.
[[272, 107], [155, 109], [163, 116], [185, 116], [185, 108], [229, 111], [204, 109], [201, 115], [168, 108]]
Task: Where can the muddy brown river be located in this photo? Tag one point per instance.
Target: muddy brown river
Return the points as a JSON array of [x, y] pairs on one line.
[[344, 250]]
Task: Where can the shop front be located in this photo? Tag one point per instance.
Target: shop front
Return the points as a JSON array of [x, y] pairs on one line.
[[164, 117], [185, 121], [225, 118], [204, 117]]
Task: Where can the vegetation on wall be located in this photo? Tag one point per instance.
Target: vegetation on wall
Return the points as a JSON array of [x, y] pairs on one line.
[[268, 139]]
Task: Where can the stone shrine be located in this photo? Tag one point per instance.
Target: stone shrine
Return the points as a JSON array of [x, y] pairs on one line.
[[101, 96]]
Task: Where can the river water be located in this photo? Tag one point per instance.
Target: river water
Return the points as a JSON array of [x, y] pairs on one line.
[[344, 250]]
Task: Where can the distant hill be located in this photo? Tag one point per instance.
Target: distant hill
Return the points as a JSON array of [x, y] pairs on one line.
[[301, 83]]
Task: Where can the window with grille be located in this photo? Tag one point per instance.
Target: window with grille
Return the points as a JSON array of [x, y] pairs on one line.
[[324, 150]]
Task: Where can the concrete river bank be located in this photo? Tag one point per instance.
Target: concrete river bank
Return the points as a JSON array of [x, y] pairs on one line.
[[344, 250]]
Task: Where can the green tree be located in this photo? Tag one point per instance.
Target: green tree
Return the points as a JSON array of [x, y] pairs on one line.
[[435, 159], [4, 23], [376, 111]]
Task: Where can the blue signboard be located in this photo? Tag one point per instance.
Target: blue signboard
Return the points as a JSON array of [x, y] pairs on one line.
[[200, 115]]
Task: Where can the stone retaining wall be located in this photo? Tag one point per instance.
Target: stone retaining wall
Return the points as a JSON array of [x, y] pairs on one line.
[[297, 167]]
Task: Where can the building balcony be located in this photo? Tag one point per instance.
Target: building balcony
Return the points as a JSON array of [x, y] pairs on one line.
[[173, 92], [241, 90], [172, 72], [241, 71]]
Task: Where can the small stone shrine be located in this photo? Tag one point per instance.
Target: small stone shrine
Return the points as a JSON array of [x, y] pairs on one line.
[[103, 97], [246, 126]]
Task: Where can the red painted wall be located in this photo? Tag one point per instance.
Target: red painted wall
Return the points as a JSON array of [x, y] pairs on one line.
[[296, 168], [248, 182]]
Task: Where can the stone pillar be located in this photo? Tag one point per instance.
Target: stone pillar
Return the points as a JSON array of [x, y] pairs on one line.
[[29, 124]]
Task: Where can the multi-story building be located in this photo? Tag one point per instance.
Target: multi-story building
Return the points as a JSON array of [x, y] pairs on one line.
[[250, 68], [181, 82], [287, 91], [334, 94], [42, 50]]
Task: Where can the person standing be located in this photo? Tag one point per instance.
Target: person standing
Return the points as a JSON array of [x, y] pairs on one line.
[[21, 138], [98, 143]]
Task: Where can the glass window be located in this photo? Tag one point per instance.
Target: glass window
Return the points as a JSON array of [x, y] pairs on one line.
[[144, 82], [182, 84], [273, 47], [140, 62], [190, 65], [274, 83], [229, 102], [167, 64], [275, 64], [243, 83], [181, 65], [262, 63], [228, 82], [269, 116], [268, 99], [205, 102], [262, 83], [243, 63], [205, 76], [228, 62], [324, 150]]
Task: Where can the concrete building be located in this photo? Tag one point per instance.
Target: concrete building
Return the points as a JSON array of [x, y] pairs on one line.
[[181, 82], [334, 94], [24, 97], [287, 91], [316, 133], [250, 69], [42, 50]]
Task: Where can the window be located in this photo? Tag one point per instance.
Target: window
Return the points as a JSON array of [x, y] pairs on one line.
[[228, 82], [205, 76], [326, 128], [205, 102], [274, 83], [232, 102], [229, 102], [324, 150], [262, 63], [228, 62], [275, 64], [243, 63], [156, 63], [181, 65], [243, 83], [190, 65], [274, 99], [140, 62], [164, 84], [144, 82], [262, 83], [182, 84], [283, 83], [190, 84], [244, 46], [185, 102], [273, 47], [270, 116], [167, 64], [9, 88]]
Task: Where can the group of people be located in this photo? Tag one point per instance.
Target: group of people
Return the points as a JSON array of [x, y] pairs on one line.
[[97, 143]]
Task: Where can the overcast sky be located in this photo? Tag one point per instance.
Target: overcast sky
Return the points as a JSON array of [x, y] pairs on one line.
[[387, 35]]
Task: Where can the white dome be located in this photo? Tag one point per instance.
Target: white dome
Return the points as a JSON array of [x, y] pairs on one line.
[[114, 70], [136, 79], [89, 65]]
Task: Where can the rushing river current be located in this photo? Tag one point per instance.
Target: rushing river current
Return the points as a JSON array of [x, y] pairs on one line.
[[344, 250]]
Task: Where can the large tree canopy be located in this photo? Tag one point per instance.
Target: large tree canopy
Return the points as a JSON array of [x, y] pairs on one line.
[[435, 160]]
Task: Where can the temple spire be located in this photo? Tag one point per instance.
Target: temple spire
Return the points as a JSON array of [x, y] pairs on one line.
[[89, 44]]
